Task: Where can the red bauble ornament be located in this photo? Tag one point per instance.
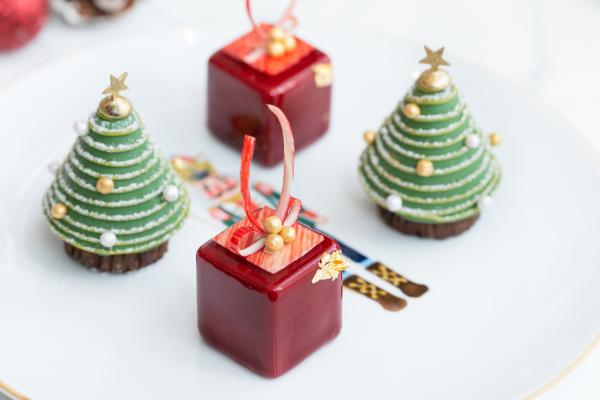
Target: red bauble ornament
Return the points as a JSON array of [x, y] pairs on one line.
[[20, 21]]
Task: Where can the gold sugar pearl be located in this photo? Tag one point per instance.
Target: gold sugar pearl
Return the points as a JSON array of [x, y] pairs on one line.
[[288, 234], [495, 139], [276, 48], [424, 168], [105, 185], [277, 34], [369, 136], [411, 110], [58, 211], [272, 224], [273, 243], [289, 43], [178, 163]]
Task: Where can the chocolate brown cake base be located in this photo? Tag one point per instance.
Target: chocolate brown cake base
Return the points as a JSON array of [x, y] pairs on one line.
[[118, 263], [425, 230]]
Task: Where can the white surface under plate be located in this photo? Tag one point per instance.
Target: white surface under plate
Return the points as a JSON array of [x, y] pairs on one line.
[[511, 302]]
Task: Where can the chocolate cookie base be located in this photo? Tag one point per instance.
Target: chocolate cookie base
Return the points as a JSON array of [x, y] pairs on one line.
[[425, 230], [118, 263]]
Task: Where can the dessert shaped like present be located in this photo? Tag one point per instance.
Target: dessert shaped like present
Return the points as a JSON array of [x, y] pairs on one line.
[[429, 168], [268, 293], [269, 65], [115, 200]]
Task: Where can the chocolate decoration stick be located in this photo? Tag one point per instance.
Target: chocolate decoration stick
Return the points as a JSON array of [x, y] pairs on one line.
[[407, 287], [374, 292]]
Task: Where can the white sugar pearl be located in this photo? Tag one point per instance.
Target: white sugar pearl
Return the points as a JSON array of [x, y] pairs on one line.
[[393, 202], [171, 193], [484, 202], [53, 167], [110, 6], [108, 239], [473, 141], [80, 127]]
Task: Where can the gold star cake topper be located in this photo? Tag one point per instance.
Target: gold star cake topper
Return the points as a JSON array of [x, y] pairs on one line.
[[434, 79], [116, 85], [434, 58], [114, 106]]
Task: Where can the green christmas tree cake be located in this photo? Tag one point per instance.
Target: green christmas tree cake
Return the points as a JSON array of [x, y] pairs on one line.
[[429, 168], [115, 201]]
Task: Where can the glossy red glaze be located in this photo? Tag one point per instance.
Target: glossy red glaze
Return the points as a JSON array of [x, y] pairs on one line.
[[237, 95], [267, 322]]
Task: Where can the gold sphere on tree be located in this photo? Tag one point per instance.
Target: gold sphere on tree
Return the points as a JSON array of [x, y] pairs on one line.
[[273, 243], [369, 136], [272, 224], [424, 168], [105, 185], [495, 139], [411, 110], [288, 234], [58, 211], [433, 81]]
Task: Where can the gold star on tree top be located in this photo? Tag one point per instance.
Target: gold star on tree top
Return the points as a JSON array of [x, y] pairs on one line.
[[116, 85], [434, 58]]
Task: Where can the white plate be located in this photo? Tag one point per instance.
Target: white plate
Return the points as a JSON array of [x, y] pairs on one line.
[[511, 302]]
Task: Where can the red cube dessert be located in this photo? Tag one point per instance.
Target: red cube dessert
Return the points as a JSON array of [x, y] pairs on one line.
[[242, 78], [268, 322], [261, 295]]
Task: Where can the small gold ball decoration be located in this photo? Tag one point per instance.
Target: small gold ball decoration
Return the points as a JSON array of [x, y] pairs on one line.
[[114, 107], [495, 139], [277, 34], [280, 42], [273, 243], [179, 164], [58, 211], [290, 43], [272, 225], [411, 110], [424, 168], [105, 185], [276, 49], [433, 81], [288, 234], [369, 136]]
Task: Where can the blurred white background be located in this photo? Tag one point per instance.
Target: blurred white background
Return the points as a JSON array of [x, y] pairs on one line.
[[551, 48]]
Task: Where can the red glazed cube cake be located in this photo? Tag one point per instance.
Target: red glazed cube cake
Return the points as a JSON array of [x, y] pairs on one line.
[[267, 311], [240, 82]]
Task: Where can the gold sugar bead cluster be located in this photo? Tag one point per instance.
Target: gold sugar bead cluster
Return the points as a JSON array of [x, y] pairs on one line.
[[105, 185], [278, 235], [280, 42], [58, 211]]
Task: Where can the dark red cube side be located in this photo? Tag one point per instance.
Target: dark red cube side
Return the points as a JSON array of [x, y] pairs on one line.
[[237, 94], [266, 322]]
